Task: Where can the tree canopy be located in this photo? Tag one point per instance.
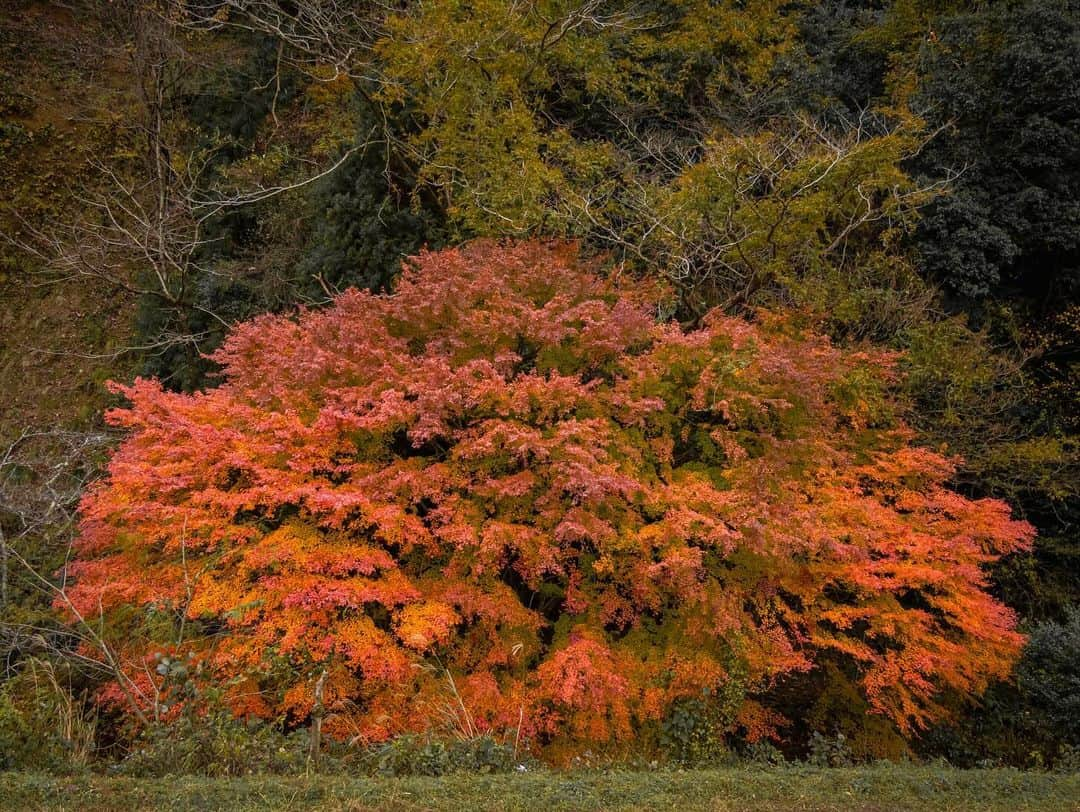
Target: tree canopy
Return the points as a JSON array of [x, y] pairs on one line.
[[510, 468]]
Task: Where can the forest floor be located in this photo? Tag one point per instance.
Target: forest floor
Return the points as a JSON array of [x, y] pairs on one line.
[[877, 788]]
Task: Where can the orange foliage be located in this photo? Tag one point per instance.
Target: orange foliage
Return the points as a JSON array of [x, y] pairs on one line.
[[510, 468]]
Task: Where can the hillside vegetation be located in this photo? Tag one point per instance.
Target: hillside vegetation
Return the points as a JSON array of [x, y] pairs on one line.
[[425, 388]]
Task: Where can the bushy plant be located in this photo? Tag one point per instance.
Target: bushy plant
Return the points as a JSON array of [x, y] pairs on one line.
[[216, 744], [829, 751], [1049, 674], [510, 468], [692, 733], [193, 732], [1031, 720], [763, 752], [429, 755], [20, 744], [1068, 759], [43, 726]]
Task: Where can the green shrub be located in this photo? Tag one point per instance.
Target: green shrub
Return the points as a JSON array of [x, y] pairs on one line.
[[763, 752], [217, 745], [43, 726], [692, 733], [426, 755], [1068, 759], [1048, 675], [829, 751]]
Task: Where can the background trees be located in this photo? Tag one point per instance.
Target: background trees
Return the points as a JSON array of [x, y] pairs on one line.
[[1001, 81]]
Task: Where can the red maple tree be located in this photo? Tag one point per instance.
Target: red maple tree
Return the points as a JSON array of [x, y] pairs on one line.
[[509, 468]]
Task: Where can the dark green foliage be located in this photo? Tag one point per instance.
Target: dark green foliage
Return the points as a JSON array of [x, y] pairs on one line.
[[1000, 731], [352, 229], [1049, 676], [427, 755], [836, 73], [963, 246], [1002, 79], [829, 751], [1041, 583], [22, 745], [43, 726], [829, 712], [226, 294], [228, 100], [217, 745], [365, 225], [692, 733], [180, 364], [763, 752]]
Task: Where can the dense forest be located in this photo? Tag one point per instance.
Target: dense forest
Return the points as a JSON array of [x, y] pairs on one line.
[[585, 381]]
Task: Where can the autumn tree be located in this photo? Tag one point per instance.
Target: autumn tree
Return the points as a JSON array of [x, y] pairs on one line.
[[509, 478]]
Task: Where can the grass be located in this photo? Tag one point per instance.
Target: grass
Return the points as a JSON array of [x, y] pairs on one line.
[[877, 788]]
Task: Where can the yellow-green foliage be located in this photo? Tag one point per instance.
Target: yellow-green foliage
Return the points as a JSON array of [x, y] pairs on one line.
[[777, 208], [503, 90], [42, 725]]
